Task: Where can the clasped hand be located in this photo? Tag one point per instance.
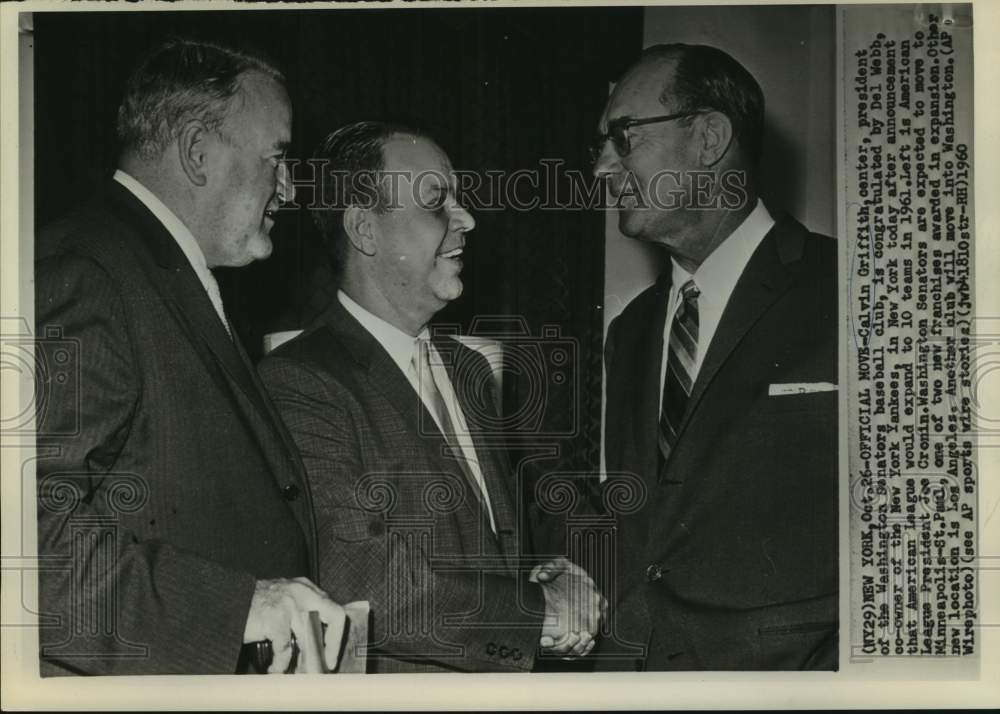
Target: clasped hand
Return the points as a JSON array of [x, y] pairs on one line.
[[280, 608], [573, 607]]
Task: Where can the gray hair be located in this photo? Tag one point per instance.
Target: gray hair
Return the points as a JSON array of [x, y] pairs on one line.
[[179, 80]]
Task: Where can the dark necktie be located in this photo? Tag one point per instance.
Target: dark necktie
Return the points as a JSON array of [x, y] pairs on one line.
[[679, 378]]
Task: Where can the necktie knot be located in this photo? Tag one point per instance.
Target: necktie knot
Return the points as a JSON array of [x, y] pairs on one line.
[[420, 360], [689, 300], [422, 370]]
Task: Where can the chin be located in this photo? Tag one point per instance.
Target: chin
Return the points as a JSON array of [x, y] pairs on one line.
[[629, 226], [451, 290], [260, 248]]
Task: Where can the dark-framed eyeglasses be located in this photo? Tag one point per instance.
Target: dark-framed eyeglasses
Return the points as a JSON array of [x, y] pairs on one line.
[[619, 135]]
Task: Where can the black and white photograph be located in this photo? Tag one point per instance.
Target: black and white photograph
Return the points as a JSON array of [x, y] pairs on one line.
[[635, 347]]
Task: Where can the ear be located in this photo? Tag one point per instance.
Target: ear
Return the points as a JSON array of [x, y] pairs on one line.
[[359, 229], [716, 136], [192, 151]]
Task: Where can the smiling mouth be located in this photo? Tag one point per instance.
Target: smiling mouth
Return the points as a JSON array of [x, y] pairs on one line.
[[451, 254], [271, 213]]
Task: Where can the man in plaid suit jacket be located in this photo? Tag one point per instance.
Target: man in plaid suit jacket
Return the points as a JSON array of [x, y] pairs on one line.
[[415, 508]]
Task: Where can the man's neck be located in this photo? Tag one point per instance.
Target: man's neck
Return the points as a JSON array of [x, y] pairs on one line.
[[155, 176], [371, 298], [152, 175], [709, 233]]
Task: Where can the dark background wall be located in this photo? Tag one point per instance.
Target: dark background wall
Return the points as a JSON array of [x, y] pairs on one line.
[[501, 88]]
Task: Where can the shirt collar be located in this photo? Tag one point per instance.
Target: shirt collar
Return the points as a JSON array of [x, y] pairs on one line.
[[717, 275], [397, 343], [175, 226]]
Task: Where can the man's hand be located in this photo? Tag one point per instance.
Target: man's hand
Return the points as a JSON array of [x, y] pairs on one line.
[[573, 607], [280, 608]]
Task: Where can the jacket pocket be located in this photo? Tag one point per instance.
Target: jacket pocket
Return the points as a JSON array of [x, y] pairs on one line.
[[819, 402]]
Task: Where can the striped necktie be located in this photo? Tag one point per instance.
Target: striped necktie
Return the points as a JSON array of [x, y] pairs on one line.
[[679, 378]]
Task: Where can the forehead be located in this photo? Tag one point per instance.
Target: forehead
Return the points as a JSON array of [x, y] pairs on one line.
[[638, 93], [414, 155]]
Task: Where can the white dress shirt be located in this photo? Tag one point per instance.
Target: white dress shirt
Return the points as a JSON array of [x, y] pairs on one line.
[[715, 278], [182, 236], [402, 348]]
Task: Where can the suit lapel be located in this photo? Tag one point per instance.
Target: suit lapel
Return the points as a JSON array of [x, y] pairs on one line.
[[183, 291], [193, 302], [471, 379], [178, 285], [766, 278], [385, 378], [641, 413], [382, 372]]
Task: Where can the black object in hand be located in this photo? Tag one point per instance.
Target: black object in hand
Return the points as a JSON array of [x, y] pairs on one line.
[[256, 657]]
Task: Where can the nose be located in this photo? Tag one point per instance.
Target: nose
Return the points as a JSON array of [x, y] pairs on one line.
[[461, 221], [608, 162], [285, 187]]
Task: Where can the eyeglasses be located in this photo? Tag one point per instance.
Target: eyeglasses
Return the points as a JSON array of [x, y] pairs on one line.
[[618, 133]]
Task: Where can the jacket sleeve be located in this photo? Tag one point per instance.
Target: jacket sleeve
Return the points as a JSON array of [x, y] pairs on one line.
[[423, 610], [110, 602]]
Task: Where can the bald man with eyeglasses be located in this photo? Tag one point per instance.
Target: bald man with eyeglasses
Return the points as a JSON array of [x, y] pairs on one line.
[[721, 386]]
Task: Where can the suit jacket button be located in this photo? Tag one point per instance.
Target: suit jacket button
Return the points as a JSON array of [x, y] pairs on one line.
[[290, 492], [654, 572]]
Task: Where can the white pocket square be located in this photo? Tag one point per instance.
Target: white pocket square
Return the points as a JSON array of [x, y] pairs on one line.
[[780, 390]]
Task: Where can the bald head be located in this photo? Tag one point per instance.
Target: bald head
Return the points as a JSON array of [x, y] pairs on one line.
[[678, 143], [693, 77]]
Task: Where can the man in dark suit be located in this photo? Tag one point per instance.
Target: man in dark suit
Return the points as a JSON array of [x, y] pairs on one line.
[[721, 385], [174, 521], [414, 497]]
